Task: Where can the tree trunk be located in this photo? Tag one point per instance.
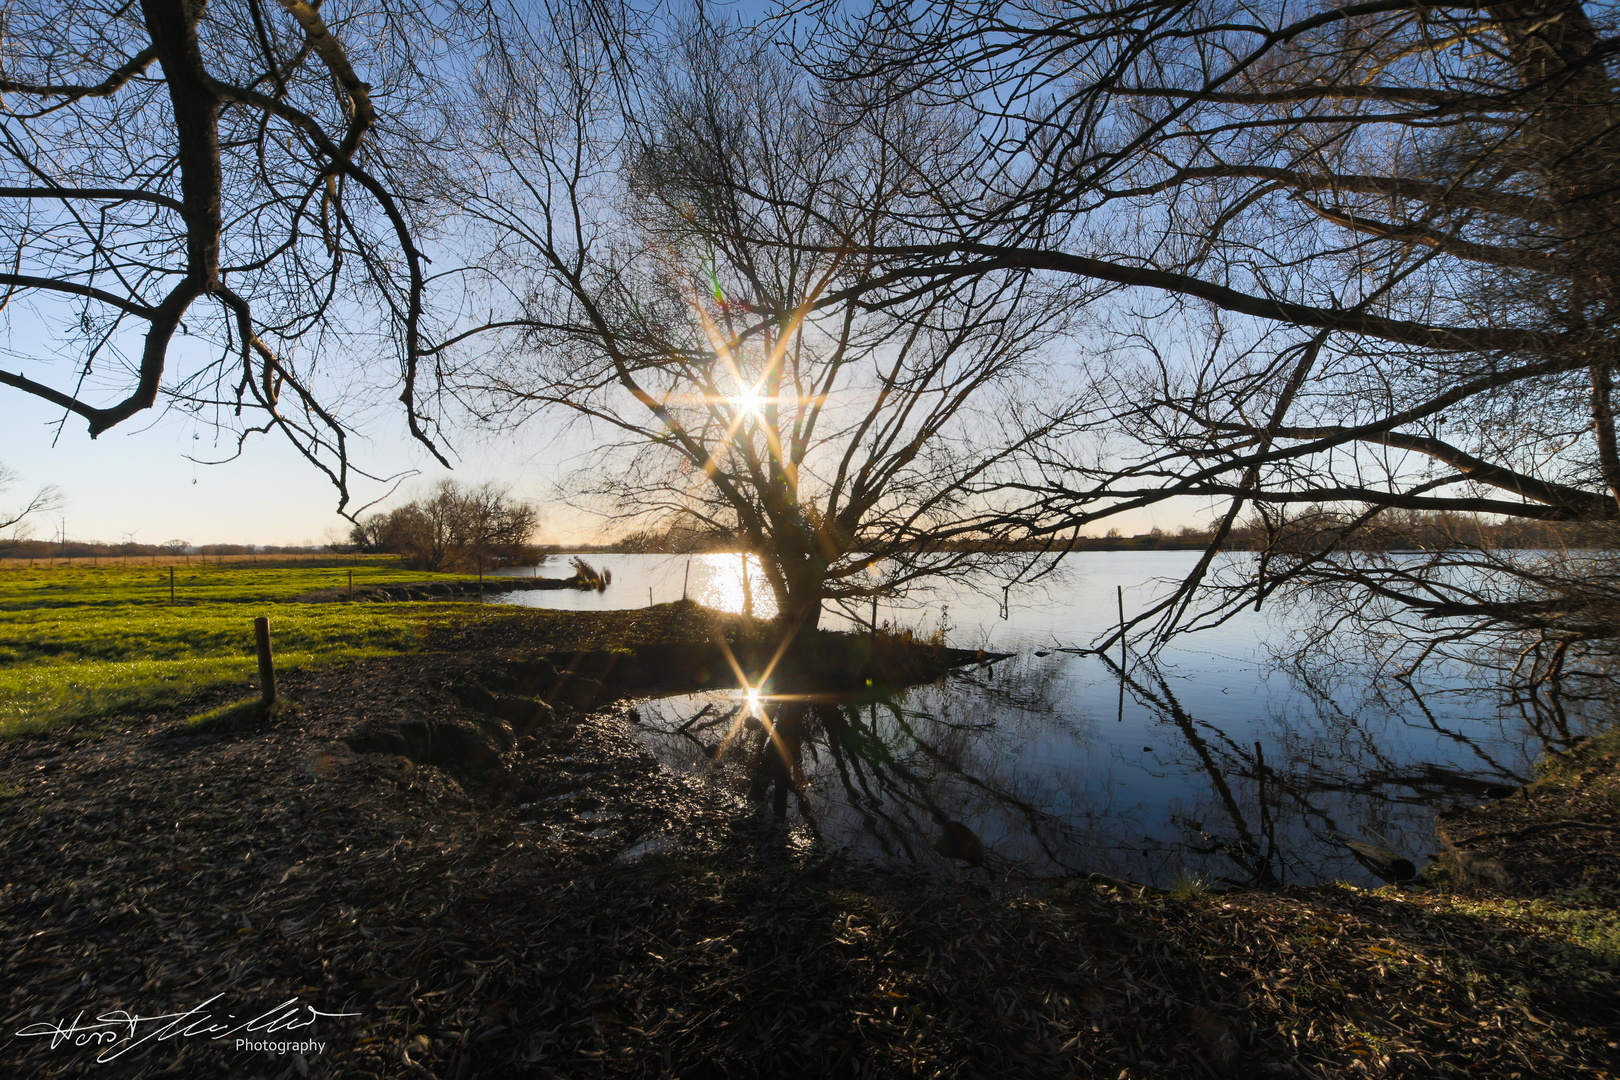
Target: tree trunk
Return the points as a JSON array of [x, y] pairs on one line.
[[803, 586], [802, 609]]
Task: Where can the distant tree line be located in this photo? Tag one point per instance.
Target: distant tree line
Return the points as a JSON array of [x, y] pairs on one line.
[[1344, 529], [679, 538], [1304, 530], [100, 549], [453, 528]]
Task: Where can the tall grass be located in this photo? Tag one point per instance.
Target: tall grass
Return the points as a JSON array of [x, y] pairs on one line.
[[590, 576]]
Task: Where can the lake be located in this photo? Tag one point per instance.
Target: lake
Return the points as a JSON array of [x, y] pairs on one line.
[[1214, 763]]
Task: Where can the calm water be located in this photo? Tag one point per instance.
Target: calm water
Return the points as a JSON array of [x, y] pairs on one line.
[[1212, 763]]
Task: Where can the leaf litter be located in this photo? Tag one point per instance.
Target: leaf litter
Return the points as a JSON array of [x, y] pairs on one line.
[[523, 916]]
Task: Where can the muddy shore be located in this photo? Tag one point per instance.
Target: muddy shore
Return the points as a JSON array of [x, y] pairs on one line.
[[498, 881], [438, 590]]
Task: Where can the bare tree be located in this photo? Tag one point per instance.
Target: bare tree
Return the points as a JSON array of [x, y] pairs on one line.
[[452, 527], [221, 171], [15, 518], [675, 247], [1356, 258]]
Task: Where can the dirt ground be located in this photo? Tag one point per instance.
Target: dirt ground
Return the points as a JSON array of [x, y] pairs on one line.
[[546, 900]]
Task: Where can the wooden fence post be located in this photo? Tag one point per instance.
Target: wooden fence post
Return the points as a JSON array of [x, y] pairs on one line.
[[267, 663], [1120, 591], [171, 586]]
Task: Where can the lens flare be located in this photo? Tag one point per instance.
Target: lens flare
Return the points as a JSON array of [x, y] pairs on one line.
[[750, 401]]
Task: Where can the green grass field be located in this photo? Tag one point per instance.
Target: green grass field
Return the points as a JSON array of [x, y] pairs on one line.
[[78, 643]]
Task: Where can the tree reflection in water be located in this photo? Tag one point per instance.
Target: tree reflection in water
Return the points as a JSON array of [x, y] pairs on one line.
[[1004, 759]]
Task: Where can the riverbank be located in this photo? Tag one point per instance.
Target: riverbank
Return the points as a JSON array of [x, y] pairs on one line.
[[553, 903], [462, 589], [1557, 838]]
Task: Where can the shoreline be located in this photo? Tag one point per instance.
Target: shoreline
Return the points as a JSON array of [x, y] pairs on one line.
[[437, 590], [505, 885]]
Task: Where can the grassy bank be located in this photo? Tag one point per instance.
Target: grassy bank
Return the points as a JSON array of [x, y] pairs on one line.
[[77, 642]]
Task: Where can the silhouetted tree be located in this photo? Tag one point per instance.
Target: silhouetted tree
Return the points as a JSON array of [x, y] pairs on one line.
[[16, 518], [1358, 259], [682, 249], [226, 172]]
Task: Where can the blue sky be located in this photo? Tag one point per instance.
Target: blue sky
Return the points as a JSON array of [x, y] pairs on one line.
[[137, 478]]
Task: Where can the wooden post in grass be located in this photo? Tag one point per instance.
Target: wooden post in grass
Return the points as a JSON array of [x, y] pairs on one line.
[[351, 584], [267, 663], [171, 586]]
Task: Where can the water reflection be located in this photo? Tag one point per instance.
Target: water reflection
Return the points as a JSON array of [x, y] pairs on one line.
[[722, 581], [1218, 763], [987, 769], [731, 582]]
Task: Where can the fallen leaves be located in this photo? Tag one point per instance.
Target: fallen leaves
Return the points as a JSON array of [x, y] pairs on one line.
[[161, 871]]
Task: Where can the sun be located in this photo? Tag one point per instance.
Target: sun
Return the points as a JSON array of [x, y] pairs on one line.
[[750, 401]]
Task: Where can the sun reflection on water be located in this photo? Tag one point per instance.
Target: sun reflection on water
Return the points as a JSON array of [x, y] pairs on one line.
[[718, 584]]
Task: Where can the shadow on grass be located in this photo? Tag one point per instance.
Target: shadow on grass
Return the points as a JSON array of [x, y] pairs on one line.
[[241, 717]]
